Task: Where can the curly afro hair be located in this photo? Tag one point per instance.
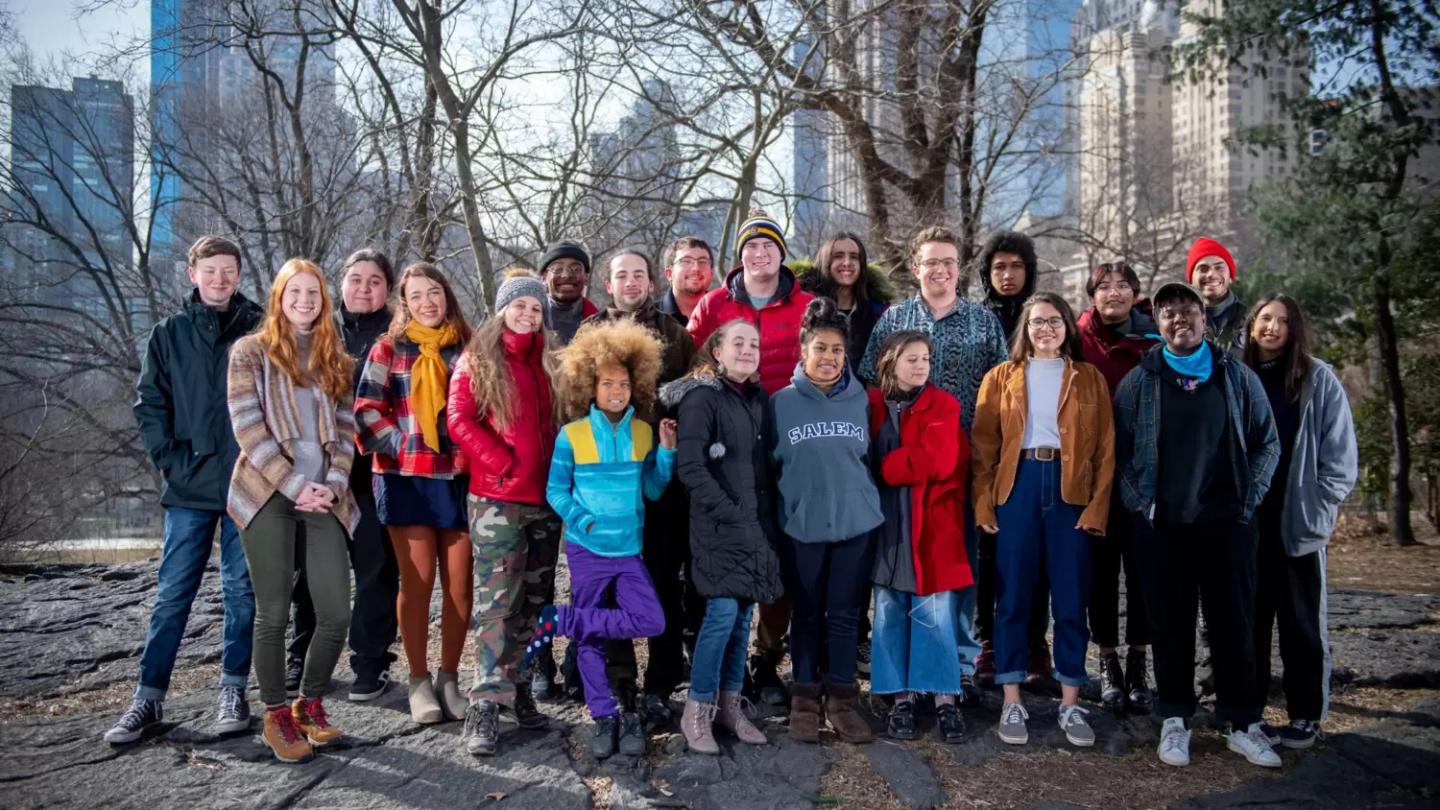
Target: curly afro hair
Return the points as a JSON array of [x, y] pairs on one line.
[[623, 343]]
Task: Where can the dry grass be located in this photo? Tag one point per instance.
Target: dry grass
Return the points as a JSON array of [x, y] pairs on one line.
[[1361, 556]]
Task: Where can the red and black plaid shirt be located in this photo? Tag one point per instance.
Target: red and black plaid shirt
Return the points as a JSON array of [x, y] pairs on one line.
[[388, 427]]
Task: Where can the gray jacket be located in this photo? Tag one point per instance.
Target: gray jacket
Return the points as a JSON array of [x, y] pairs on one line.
[[1323, 464], [820, 446]]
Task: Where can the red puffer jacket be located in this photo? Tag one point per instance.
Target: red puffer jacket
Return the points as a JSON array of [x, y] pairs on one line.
[[778, 322], [933, 459], [511, 464]]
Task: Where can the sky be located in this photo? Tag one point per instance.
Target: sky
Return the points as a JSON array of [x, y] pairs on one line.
[[53, 28]]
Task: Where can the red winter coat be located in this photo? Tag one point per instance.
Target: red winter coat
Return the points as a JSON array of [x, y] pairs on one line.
[[933, 459], [778, 322], [1112, 354], [511, 464]]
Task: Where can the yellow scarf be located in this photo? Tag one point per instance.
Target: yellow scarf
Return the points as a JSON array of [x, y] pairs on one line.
[[428, 377]]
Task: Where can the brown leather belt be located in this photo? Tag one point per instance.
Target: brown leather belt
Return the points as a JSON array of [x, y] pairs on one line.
[[1041, 453]]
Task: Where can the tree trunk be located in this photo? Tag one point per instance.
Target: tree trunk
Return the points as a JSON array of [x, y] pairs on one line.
[[1401, 532]]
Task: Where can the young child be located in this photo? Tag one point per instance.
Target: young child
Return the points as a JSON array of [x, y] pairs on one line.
[[605, 465]]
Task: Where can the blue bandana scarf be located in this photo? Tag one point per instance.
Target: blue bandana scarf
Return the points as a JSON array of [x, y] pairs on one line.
[[1197, 365]]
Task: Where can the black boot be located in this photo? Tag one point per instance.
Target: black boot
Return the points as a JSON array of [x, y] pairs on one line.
[[570, 673], [542, 679], [1138, 680], [1112, 682], [527, 714], [606, 739], [763, 680]]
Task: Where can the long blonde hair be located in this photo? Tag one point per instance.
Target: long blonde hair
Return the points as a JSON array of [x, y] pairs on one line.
[[491, 383], [330, 367]]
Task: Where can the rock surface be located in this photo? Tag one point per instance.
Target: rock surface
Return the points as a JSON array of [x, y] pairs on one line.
[[70, 630]]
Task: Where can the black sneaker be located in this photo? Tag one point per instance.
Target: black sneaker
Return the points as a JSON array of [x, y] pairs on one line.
[[141, 715], [631, 735], [862, 658], [542, 679], [655, 712], [527, 714], [1112, 682], [1298, 735], [1137, 679], [294, 670], [604, 743], [369, 687], [969, 696], [900, 725], [766, 683], [233, 713], [482, 728], [949, 724]]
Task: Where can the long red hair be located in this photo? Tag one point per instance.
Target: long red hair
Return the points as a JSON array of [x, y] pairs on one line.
[[330, 367]]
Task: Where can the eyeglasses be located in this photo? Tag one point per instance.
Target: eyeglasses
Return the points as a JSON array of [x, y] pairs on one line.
[[691, 264], [1036, 324], [935, 264]]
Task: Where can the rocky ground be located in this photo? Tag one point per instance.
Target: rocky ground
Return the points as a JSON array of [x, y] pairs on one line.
[[70, 637]]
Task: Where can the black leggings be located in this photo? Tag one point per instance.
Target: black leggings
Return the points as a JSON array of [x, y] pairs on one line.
[[825, 582]]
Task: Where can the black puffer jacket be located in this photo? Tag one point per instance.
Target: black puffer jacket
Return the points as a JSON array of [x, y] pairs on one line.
[[722, 463], [180, 401]]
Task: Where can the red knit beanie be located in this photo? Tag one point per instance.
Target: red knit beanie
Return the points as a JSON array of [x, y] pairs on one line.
[[1205, 246]]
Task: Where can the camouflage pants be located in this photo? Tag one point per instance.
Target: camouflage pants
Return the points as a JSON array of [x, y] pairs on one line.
[[516, 548]]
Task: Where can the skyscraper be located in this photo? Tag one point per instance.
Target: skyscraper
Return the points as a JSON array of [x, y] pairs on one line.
[[809, 178]]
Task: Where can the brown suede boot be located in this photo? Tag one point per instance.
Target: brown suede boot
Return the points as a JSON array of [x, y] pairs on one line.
[[805, 712], [844, 717]]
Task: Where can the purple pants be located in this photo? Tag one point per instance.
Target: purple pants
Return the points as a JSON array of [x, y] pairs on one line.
[[589, 624]]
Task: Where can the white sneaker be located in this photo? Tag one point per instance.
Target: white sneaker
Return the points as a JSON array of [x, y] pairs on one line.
[[1174, 742], [1254, 746]]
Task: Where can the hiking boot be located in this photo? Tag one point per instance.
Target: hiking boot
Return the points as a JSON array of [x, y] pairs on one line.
[[606, 738], [573, 687], [542, 679], [1077, 729], [985, 665], [765, 683], [805, 712], [313, 722], [232, 715], [949, 724], [543, 638], [294, 671], [1040, 672], [1299, 734], [969, 696], [369, 687], [142, 714], [482, 728], [862, 659], [1174, 742], [453, 704], [655, 712], [696, 723], [631, 737], [1112, 682], [1137, 680], [1012, 724], [900, 724], [731, 716], [285, 739], [424, 706], [527, 714], [844, 716], [1252, 744]]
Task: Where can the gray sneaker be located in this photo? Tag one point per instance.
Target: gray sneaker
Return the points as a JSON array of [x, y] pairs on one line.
[[141, 715], [233, 714], [1012, 724], [1077, 730]]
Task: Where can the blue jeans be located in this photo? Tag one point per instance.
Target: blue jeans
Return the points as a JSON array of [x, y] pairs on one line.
[[967, 637], [911, 647], [189, 533], [718, 663], [1037, 533], [826, 582]]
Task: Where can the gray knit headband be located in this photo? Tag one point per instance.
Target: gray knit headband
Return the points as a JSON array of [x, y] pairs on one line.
[[519, 287]]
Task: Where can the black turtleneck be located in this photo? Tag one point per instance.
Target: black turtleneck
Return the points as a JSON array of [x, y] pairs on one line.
[[1287, 422]]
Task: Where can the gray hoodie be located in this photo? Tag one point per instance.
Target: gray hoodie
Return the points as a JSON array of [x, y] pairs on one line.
[[1323, 464], [820, 446]]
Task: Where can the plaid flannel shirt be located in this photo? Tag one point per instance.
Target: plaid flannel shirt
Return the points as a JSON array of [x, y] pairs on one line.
[[387, 425]]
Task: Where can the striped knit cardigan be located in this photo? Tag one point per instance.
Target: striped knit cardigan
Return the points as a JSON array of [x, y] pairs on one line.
[[263, 411]]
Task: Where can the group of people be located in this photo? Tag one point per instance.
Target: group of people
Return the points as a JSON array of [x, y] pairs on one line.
[[970, 470]]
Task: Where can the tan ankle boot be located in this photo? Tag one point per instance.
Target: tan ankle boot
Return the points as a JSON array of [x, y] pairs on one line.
[[732, 716], [843, 715], [805, 712], [424, 707], [452, 703], [314, 723], [696, 723], [284, 737]]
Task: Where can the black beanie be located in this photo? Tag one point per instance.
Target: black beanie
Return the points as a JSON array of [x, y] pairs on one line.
[[565, 249]]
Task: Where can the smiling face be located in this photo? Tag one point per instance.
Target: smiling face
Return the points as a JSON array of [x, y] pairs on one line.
[[523, 315], [1007, 273], [364, 289], [1182, 324], [612, 389], [216, 278], [425, 299], [937, 265], [566, 280], [1046, 327], [1212, 278], [301, 301], [1113, 298], [912, 367], [1271, 330], [738, 352], [845, 266], [824, 357], [761, 259], [691, 271], [629, 282]]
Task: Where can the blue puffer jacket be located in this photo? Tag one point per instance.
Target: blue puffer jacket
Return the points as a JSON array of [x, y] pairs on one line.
[[601, 474]]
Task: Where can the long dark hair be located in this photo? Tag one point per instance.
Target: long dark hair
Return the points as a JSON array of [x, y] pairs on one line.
[[1295, 360], [1020, 347], [825, 283]]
